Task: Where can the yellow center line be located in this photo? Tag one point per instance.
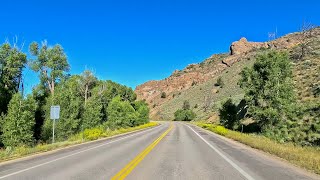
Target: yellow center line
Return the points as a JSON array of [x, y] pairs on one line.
[[123, 173]]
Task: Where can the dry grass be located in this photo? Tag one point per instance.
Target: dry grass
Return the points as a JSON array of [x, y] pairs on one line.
[[89, 135], [196, 94], [307, 73], [305, 157], [306, 76]]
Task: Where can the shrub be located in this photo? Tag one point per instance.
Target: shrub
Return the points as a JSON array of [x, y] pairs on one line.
[[220, 130], [163, 95], [143, 110], [122, 113], [184, 115], [228, 114], [186, 105], [92, 134], [219, 82]]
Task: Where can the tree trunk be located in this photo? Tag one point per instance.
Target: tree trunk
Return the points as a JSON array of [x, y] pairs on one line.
[[52, 88], [86, 95]]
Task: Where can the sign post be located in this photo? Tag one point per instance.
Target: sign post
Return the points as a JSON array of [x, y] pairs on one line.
[[54, 115]]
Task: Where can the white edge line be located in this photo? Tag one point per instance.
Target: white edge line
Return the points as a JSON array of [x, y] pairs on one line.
[[246, 175], [27, 169]]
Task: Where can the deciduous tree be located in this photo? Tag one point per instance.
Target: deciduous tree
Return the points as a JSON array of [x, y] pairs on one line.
[[12, 62], [50, 62], [268, 88]]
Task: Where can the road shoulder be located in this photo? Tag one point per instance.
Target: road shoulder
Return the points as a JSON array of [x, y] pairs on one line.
[[70, 147], [259, 153]]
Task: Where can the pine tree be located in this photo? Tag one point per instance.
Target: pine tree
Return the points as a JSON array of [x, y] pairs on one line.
[[19, 122]]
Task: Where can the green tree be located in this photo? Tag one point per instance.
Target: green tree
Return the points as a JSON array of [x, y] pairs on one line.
[[19, 122], [121, 113], [228, 115], [12, 62], [268, 88], [184, 115], [51, 63], [67, 95], [92, 115], [87, 82], [40, 94], [2, 117], [126, 93], [143, 110]]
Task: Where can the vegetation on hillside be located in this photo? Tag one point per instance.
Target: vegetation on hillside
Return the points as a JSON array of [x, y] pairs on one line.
[[86, 102], [184, 114], [209, 97], [272, 105]]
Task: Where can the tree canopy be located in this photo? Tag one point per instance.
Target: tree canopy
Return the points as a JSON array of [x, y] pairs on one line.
[[268, 87]]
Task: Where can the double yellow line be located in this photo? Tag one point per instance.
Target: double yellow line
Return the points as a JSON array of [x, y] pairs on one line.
[[123, 173]]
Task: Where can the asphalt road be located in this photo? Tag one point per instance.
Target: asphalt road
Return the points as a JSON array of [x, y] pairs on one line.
[[169, 151]]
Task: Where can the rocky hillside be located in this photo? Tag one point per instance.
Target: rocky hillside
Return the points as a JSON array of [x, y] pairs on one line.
[[196, 82]]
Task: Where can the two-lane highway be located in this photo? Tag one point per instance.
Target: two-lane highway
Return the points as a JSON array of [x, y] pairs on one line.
[[169, 151]]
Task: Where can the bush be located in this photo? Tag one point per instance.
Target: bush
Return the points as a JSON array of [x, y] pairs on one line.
[[163, 95], [122, 113], [219, 82], [184, 115], [220, 130], [186, 105], [143, 110], [228, 114], [92, 134]]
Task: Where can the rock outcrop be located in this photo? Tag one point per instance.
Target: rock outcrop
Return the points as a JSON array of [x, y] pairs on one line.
[[243, 46], [194, 74]]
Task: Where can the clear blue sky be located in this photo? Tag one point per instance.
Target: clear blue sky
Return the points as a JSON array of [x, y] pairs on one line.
[[135, 41]]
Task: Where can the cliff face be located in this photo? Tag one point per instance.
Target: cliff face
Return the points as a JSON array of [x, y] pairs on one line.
[[196, 74]]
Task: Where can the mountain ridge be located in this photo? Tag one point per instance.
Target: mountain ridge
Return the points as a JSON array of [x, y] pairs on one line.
[[197, 74]]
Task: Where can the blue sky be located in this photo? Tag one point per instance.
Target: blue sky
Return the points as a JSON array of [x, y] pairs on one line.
[[139, 40]]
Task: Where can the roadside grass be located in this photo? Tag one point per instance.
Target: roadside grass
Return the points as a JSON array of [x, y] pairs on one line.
[[305, 157], [88, 135]]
